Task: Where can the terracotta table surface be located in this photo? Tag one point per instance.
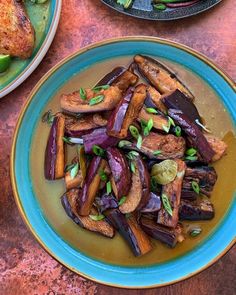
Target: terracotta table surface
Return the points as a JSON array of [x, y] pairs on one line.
[[25, 268]]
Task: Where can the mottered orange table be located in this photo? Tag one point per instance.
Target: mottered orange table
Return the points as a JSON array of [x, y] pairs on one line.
[[25, 268]]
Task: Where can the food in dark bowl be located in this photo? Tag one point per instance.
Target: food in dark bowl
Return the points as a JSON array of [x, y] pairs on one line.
[[143, 162]]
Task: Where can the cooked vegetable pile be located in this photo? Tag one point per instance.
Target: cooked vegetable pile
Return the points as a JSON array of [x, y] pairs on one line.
[[143, 156], [161, 4]]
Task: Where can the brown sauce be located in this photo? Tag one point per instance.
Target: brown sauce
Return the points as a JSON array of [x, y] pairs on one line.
[[115, 250]]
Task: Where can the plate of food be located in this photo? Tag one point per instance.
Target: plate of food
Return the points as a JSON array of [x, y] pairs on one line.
[[161, 9], [124, 174], [25, 36]]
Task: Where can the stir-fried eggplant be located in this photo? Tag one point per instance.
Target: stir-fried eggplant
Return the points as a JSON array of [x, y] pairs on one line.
[[106, 201], [111, 77], [121, 176], [54, 161], [124, 81], [126, 111], [69, 203], [153, 204], [100, 138], [172, 191], [160, 122], [158, 75], [188, 194], [163, 234], [77, 127], [179, 101], [73, 181], [203, 210], [130, 231], [195, 136], [90, 186], [154, 100], [218, 146]]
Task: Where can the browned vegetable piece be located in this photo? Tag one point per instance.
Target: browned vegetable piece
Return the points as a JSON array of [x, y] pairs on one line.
[[73, 182], [170, 146], [54, 161], [90, 186], [82, 162], [75, 104], [156, 98], [69, 202], [202, 210], [125, 80], [126, 112], [134, 196], [160, 76], [76, 127], [158, 120], [218, 146], [173, 192]]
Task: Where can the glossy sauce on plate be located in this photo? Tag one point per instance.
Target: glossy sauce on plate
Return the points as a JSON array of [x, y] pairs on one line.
[[115, 250]]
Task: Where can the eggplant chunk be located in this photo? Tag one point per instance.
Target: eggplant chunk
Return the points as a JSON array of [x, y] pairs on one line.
[[188, 194], [159, 121], [54, 162], [219, 147], [77, 127], [75, 104], [121, 175], [170, 146], [90, 186], [106, 201], [69, 203], [126, 112], [203, 210], [130, 231], [205, 177], [110, 77], [195, 136], [153, 204], [160, 76], [161, 233], [98, 137], [74, 182], [179, 101], [126, 80], [172, 191], [154, 100]]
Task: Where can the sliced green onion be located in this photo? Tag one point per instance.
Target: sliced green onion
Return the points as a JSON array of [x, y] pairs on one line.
[[132, 155], [96, 100], [69, 167], [132, 167], [139, 142], [160, 6], [66, 139], [195, 187], [48, 117], [191, 152], [108, 187], [191, 158], [99, 88], [74, 171], [151, 110], [103, 175], [195, 231], [134, 131], [97, 150], [171, 121], [124, 143], [122, 200], [125, 3], [178, 131], [166, 204], [97, 217], [157, 152], [166, 128], [82, 93]]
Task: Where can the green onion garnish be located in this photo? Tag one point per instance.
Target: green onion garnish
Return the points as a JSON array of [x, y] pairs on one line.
[[96, 100], [157, 152], [171, 121], [82, 93], [178, 131], [195, 231], [103, 175], [99, 88], [160, 6], [66, 139], [122, 200], [98, 150], [97, 217], [166, 204], [74, 171], [132, 155], [48, 117], [191, 158], [134, 131], [139, 142], [166, 128], [108, 187], [124, 143], [132, 167], [151, 110], [191, 152], [195, 187]]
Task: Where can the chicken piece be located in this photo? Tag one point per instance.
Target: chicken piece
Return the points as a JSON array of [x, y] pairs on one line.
[[173, 192], [218, 146], [17, 35]]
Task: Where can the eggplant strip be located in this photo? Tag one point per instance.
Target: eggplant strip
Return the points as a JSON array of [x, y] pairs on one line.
[[154, 100], [158, 75], [159, 121], [173, 192], [194, 211], [54, 161], [69, 203]]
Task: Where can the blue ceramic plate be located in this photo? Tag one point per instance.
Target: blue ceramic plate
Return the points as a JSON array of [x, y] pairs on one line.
[[204, 254]]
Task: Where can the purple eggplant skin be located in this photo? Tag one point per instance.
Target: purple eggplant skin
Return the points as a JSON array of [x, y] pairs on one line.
[[145, 181], [98, 137], [110, 78], [163, 234], [132, 233], [67, 207], [115, 122], [188, 195], [149, 102], [196, 211], [77, 133], [106, 201], [153, 204], [120, 171], [179, 101], [195, 136]]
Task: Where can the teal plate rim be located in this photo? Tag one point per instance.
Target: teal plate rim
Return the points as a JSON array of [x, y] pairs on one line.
[[204, 255], [40, 52]]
